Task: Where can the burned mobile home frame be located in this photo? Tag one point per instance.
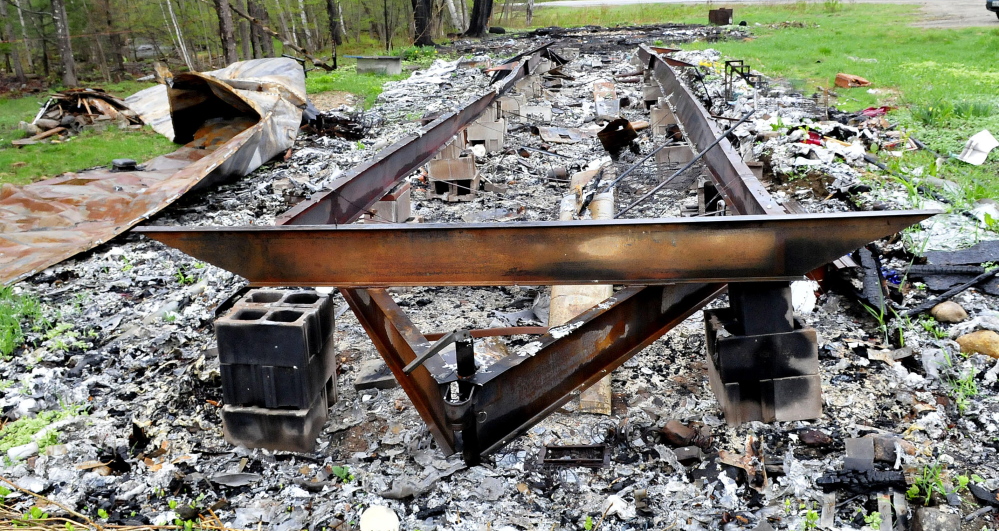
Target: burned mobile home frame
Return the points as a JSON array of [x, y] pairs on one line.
[[762, 362]]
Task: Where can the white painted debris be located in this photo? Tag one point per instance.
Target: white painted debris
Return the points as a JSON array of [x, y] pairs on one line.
[[978, 148], [379, 518]]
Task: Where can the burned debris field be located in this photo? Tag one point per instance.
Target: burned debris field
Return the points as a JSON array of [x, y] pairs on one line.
[[571, 279]]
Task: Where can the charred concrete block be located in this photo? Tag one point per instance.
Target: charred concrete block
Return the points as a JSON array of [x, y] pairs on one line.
[[276, 429], [280, 336], [651, 92], [762, 307], [453, 179], [759, 357], [660, 118], [394, 207], [859, 454], [279, 387], [792, 398], [452, 149], [297, 299], [511, 105]]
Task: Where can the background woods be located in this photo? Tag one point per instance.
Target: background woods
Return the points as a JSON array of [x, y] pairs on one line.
[[103, 40]]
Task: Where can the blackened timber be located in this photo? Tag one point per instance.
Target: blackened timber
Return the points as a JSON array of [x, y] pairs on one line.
[[660, 251]]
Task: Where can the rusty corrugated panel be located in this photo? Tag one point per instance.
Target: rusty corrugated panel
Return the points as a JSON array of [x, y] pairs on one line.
[[232, 121]]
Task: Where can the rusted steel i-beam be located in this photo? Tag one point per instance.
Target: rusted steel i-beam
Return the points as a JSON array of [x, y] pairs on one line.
[[738, 248], [733, 178], [363, 185]]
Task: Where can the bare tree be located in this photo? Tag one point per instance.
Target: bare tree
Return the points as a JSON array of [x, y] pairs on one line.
[[226, 31], [8, 35], [422, 11], [180, 36], [333, 10], [478, 24], [65, 46], [24, 35], [530, 12]]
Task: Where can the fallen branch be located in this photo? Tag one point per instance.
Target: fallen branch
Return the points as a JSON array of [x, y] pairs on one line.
[[950, 293]]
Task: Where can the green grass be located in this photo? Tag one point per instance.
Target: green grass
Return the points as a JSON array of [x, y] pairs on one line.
[[367, 86], [20, 431], [15, 311], [92, 148], [89, 149], [807, 44]]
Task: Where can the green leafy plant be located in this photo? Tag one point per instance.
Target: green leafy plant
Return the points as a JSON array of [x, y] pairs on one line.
[[811, 519], [873, 520], [962, 389], [172, 504], [343, 473], [973, 109], [881, 318], [991, 223], [20, 431], [832, 6], [930, 325], [102, 514], [15, 311], [588, 523], [182, 277], [928, 482], [933, 114]]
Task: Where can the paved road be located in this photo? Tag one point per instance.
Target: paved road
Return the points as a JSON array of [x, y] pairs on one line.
[[936, 13]]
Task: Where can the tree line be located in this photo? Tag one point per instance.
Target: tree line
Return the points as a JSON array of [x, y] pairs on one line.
[[106, 37]]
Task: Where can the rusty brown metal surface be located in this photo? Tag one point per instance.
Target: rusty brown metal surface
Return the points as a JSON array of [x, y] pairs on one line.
[[739, 248], [360, 187], [494, 332], [732, 176], [43, 223], [400, 342], [520, 391]]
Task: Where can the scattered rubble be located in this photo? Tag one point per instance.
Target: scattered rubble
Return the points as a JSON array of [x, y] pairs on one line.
[[131, 339]]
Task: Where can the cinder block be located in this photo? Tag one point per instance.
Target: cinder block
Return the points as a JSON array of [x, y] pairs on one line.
[[274, 387], [276, 429], [395, 207], [511, 105], [281, 336], [660, 118], [792, 398], [529, 86], [487, 132], [651, 93], [759, 357], [453, 179], [762, 307], [452, 149], [297, 299]]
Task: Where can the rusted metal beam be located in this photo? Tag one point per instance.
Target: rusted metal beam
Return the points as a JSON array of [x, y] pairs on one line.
[[521, 390], [739, 248], [733, 178], [362, 186], [399, 342]]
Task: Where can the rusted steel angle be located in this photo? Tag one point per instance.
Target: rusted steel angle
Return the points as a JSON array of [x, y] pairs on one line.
[[363, 185], [399, 342], [640, 251], [733, 178], [523, 388]]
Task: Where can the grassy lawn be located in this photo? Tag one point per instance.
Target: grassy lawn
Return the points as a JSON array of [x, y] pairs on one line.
[[945, 82], [92, 148]]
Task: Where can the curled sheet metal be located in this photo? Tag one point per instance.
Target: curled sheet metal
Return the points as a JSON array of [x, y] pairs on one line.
[[230, 121]]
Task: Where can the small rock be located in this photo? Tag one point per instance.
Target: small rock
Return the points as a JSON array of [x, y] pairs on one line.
[[24, 451], [45, 124], [929, 519], [31, 129], [379, 518], [814, 438], [983, 342], [984, 496], [374, 374], [949, 312]]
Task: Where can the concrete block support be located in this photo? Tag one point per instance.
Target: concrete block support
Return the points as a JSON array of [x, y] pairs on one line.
[[453, 179], [395, 207], [278, 365], [766, 377]]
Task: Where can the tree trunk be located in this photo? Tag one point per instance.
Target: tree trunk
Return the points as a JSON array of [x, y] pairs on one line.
[[117, 47], [266, 43], [478, 25], [226, 31], [24, 35], [65, 46], [8, 34], [256, 37], [422, 10], [456, 20], [333, 10], [181, 47], [305, 25], [284, 40], [530, 12]]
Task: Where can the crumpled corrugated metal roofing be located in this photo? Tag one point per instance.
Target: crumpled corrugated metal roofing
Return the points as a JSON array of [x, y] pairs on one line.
[[232, 120]]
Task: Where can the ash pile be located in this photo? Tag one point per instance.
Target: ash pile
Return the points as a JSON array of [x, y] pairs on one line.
[[118, 387]]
